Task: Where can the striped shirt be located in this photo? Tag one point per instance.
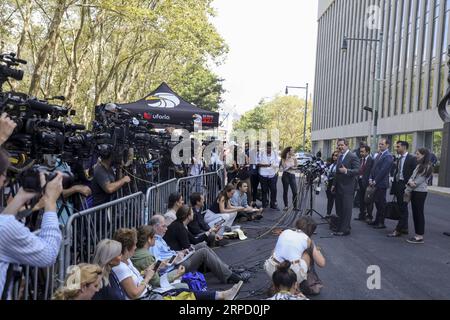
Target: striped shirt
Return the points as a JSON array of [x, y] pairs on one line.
[[19, 245]]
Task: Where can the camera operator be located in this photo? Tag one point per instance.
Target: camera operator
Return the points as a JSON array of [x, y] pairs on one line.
[[17, 243], [104, 183], [6, 128]]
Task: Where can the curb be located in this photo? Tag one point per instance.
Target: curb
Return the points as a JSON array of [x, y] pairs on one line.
[[441, 193]]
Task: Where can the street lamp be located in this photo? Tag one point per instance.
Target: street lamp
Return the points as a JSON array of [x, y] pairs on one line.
[[374, 110], [306, 110]]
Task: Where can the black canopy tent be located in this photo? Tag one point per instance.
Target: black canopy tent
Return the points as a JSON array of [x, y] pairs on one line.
[[164, 107]]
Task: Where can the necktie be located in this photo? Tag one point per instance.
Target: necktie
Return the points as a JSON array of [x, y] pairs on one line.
[[363, 165], [339, 164], [399, 169]]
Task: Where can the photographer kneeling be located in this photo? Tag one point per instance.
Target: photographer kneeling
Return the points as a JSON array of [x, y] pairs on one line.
[[293, 246], [17, 244], [104, 183]]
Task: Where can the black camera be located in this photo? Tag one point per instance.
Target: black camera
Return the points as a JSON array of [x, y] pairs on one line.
[[30, 179], [7, 62]]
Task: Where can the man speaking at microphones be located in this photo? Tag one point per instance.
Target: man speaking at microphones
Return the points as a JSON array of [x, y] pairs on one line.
[[347, 170]]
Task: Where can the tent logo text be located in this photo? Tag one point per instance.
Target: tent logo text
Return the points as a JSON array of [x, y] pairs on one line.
[[161, 116], [163, 100]]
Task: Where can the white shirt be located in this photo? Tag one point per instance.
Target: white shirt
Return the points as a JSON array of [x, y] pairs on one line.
[[124, 271], [290, 245], [402, 164], [170, 216], [271, 159], [196, 168]]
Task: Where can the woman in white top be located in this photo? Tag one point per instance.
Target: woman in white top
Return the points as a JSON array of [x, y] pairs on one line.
[[292, 246], [133, 283], [288, 165]]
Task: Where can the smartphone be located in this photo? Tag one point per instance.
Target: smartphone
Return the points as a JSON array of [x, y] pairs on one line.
[[158, 263], [221, 222], [172, 259]]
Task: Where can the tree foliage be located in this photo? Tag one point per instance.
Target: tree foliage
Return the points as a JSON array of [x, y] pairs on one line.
[[95, 51], [283, 113]]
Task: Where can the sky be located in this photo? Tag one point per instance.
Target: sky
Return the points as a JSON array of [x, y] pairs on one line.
[[272, 44]]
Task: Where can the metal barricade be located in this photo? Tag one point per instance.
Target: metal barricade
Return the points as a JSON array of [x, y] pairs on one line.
[[86, 229], [157, 196], [209, 184]]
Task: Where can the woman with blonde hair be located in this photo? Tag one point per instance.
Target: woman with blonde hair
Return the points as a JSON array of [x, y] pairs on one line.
[[82, 282], [108, 254]]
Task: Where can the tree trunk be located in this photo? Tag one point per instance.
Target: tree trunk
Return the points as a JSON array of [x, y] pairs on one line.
[[48, 46]]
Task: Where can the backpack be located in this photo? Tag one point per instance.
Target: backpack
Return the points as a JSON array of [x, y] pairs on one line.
[[196, 281]]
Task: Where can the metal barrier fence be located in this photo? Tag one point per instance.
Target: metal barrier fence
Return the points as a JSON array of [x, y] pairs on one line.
[[209, 184], [156, 198], [85, 229]]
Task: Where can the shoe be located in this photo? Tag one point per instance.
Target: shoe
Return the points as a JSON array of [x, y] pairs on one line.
[[245, 276], [234, 278], [379, 226], [242, 219], [274, 207], [359, 219], [372, 223], [414, 240], [232, 293], [394, 234], [341, 234], [446, 234], [221, 242]]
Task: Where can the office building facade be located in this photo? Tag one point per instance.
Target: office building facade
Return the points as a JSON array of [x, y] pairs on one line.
[[414, 73]]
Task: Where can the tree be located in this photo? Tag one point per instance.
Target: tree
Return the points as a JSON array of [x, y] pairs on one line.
[[285, 114], [98, 51]]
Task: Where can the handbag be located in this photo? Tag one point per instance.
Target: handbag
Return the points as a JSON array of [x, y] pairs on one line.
[[393, 210], [407, 196], [369, 196], [312, 285]]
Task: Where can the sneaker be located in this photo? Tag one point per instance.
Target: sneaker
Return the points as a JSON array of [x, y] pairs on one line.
[[414, 240], [227, 229], [221, 242]]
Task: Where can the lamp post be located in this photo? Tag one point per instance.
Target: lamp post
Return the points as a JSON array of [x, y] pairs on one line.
[[378, 79], [306, 110]]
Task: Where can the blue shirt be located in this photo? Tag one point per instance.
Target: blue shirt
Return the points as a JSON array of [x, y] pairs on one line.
[[19, 245], [239, 200], [162, 251]]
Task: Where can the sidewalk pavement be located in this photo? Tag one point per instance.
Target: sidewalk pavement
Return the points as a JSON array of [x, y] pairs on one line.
[[438, 190]]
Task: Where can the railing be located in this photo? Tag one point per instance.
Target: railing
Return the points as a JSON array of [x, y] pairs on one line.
[[85, 229], [156, 198], [209, 184]]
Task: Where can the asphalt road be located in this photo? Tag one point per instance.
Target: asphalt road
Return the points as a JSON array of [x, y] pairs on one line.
[[407, 271]]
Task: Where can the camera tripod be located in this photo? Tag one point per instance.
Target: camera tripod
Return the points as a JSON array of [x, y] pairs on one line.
[[310, 210]]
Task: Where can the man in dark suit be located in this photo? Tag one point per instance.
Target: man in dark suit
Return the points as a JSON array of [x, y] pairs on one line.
[[347, 170], [379, 177], [366, 164], [406, 163]]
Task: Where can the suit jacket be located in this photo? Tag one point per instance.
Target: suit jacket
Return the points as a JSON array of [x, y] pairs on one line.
[[381, 169], [408, 167], [367, 171], [345, 183]]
